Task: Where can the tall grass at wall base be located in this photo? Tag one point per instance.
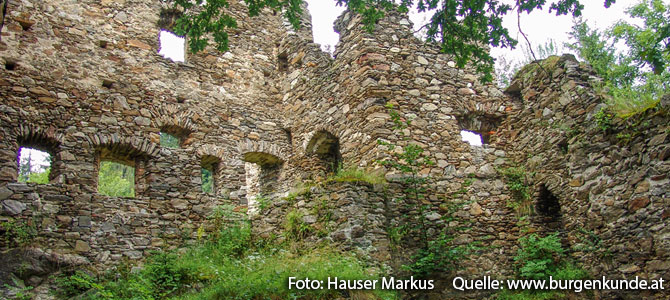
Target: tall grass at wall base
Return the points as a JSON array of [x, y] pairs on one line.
[[230, 266]]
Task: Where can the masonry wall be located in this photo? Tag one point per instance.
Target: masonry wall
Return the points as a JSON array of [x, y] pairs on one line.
[[611, 184], [86, 84]]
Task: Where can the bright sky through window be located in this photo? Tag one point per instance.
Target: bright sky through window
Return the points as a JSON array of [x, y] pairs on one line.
[[471, 138], [172, 46], [38, 159]]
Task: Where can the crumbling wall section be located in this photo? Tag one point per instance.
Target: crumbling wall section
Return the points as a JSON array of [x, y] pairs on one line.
[[609, 176], [83, 81]]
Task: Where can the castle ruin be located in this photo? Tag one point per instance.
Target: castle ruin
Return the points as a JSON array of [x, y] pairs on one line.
[[82, 80]]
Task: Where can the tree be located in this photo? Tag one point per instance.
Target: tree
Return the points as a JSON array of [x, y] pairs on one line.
[[25, 167], [634, 80], [463, 28], [116, 180], [649, 45]]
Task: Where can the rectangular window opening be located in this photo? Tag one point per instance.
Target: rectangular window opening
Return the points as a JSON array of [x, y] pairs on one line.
[[207, 174], [34, 165], [116, 179], [169, 140]]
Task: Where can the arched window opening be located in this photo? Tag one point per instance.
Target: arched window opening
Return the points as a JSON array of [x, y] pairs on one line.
[[174, 136], [208, 174], [547, 204], [263, 172], [36, 156], [169, 140], [34, 165], [118, 170], [326, 147], [484, 125]]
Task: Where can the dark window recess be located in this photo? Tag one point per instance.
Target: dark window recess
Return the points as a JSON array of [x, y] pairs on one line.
[[563, 145], [10, 65], [289, 135], [282, 62], [547, 204], [326, 147], [107, 83]]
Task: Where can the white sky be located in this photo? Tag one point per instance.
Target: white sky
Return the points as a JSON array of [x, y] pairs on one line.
[[171, 46], [472, 138], [540, 26], [38, 159]]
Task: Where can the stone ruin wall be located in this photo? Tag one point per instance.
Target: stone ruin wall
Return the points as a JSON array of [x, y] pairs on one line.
[[610, 184], [277, 111], [81, 102]]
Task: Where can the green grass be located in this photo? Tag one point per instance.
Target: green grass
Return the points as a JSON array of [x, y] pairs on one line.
[[355, 174], [230, 266]]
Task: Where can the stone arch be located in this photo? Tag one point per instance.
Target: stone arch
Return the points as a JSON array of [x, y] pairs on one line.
[[175, 120], [326, 147], [48, 140], [261, 153], [130, 151], [123, 147]]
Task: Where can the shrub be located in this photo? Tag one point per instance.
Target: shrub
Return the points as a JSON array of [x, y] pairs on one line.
[[515, 178], [76, 283], [294, 226], [17, 233], [439, 256], [212, 271], [164, 274], [539, 257]]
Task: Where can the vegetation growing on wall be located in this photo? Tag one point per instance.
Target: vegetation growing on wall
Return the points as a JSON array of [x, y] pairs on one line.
[[521, 202], [228, 265], [355, 174], [17, 233], [634, 80], [537, 259]]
